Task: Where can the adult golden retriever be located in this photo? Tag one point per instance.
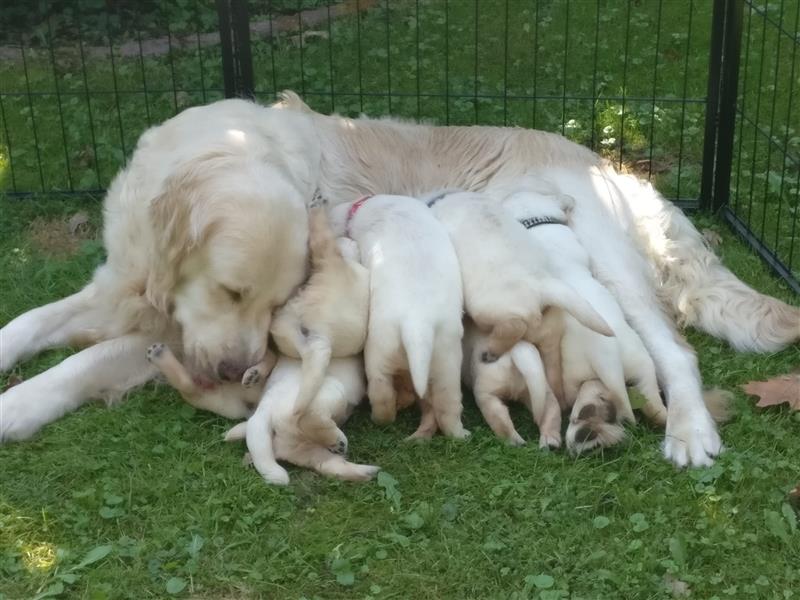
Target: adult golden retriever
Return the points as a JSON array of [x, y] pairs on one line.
[[203, 236]]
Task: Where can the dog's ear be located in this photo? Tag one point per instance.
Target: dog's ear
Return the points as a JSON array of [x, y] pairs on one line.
[[176, 231], [567, 204]]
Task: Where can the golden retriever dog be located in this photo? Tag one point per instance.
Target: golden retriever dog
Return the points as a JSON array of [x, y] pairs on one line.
[[205, 232], [516, 375], [272, 433], [415, 306], [255, 222], [326, 318]]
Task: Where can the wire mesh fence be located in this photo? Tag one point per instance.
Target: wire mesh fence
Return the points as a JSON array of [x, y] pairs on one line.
[[633, 79]]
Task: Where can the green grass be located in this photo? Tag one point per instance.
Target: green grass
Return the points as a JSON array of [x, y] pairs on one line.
[[150, 490]]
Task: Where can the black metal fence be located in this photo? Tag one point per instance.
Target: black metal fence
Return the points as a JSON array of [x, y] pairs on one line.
[[695, 94]]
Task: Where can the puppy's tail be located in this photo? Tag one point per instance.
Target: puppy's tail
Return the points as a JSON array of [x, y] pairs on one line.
[[695, 285], [321, 241], [557, 293], [417, 340], [528, 361], [259, 443]]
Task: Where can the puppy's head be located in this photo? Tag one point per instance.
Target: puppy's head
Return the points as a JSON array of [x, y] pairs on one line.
[[230, 246], [530, 203]]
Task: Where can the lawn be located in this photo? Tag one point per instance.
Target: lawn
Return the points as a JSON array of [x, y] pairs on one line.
[[150, 489], [144, 500]]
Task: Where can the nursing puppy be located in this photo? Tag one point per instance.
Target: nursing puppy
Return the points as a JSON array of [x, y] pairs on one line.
[[272, 433], [509, 291], [231, 400], [603, 364], [326, 318], [516, 375], [415, 308]]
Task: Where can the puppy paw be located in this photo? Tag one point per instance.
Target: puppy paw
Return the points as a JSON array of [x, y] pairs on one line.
[[341, 445], [251, 377], [489, 357], [515, 439], [692, 439], [550, 440], [363, 472], [155, 352]]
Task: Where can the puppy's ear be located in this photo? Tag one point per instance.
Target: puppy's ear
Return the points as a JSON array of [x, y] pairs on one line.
[[567, 204]]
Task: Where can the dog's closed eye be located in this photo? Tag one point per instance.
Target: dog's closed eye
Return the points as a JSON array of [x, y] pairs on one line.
[[234, 295]]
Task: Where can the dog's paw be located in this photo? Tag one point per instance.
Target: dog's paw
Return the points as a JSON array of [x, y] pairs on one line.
[[155, 351], [25, 409], [515, 439], [489, 357], [341, 445], [251, 377], [594, 426], [550, 440], [275, 475], [691, 439], [363, 472]]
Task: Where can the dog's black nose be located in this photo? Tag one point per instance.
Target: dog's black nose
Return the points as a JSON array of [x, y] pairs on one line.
[[229, 371]]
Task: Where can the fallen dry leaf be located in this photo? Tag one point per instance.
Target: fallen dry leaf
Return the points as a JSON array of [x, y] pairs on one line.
[[784, 389], [794, 498], [712, 238], [78, 223], [678, 588]]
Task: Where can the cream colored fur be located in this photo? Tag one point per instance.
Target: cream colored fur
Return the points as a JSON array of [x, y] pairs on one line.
[[327, 318], [415, 308], [517, 375], [272, 433]]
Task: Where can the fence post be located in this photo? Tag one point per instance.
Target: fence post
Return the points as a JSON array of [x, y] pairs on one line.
[[237, 61], [722, 96]]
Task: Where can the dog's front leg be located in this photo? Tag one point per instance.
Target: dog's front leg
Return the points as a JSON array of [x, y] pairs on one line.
[[104, 371], [71, 320]]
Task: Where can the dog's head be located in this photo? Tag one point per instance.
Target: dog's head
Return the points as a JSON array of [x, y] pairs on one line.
[[230, 246]]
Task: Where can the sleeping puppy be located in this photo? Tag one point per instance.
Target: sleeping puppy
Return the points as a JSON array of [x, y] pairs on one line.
[[327, 317], [272, 433], [231, 400], [415, 309], [516, 375], [595, 368], [509, 290]]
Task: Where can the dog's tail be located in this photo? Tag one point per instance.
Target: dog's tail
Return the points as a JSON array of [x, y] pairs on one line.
[[528, 361], [695, 285], [557, 293], [417, 340]]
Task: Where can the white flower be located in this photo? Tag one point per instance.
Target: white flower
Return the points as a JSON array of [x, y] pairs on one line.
[[571, 124], [608, 129], [608, 141]]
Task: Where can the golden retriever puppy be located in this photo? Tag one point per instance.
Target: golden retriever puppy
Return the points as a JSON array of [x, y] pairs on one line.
[[272, 433], [326, 318], [231, 400], [517, 375], [415, 306], [509, 290]]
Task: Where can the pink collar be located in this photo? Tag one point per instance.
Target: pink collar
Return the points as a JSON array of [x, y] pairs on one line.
[[352, 212]]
